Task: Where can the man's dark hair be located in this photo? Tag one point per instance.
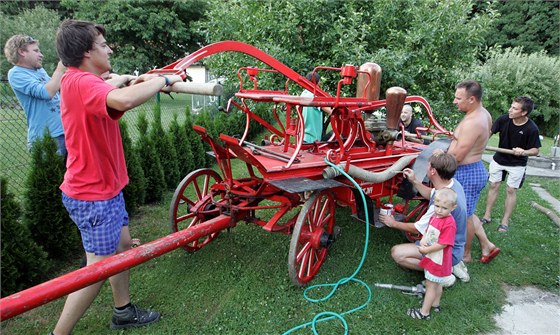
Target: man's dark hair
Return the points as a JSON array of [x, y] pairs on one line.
[[74, 38], [313, 77], [527, 104], [472, 87], [445, 165]]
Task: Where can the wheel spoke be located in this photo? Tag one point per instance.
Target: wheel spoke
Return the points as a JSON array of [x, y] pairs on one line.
[[185, 217], [206, 188], [305, 248], [197, 189], [306, 255], [304, 263], [192, 204]]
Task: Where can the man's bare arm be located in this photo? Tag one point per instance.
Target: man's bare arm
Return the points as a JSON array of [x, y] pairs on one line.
[[54, 84], [464, 141]]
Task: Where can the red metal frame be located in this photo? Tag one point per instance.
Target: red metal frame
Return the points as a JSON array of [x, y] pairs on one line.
[[286, 157]]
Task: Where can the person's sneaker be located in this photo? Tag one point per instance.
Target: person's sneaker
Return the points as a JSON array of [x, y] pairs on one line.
[[460, 271], [133, 316], [448, 281]]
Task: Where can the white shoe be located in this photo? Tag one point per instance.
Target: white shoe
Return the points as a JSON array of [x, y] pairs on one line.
[[460, 271], [448, 281]]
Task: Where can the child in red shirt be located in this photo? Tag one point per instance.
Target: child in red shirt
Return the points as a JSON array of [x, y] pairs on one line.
[[436, 246]]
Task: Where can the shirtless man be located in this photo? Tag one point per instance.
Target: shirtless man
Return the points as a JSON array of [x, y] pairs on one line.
[[468, 144]]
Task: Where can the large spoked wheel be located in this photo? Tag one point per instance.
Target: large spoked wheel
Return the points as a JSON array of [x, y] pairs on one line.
[[311, 237], [193, 203]]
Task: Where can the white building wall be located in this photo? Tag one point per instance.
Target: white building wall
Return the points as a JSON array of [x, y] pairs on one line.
[[198, 73]]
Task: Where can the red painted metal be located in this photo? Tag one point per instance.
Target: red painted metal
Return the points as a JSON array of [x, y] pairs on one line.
[[230, 200], [23, 301]]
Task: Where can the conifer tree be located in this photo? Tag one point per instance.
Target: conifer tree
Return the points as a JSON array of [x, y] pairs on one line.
[[178, 136], [135, 192], [24, 263], [199, 155], [166, 151], [44, 213], [205, 120], [151, 165]]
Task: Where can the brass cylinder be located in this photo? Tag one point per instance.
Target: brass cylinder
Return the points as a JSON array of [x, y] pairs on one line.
[[395, 101], [372, 92]]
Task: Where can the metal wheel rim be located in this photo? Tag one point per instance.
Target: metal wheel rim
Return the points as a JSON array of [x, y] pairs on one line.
[[304, 261], [191, 184]]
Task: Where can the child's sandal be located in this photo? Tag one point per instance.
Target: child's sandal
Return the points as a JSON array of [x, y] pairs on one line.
[[436, 309], [415, 313]]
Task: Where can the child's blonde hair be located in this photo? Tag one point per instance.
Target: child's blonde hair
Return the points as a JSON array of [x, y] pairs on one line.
[[447, 195]]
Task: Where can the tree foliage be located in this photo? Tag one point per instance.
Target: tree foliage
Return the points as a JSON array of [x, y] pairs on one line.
[[179, 139], [44, 212], [24, 263], [197, 146], [165, 150], [509, 73], [533, 25], [420, 45], [40, 23], [151, 164], [144, 33], [135, 191]]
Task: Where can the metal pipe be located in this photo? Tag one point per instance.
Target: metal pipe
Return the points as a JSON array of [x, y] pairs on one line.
[[373, 177], [417, 290], [270, 152], [41, 294]]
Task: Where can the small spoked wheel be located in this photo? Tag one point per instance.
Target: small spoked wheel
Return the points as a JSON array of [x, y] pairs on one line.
[[312, 235], [193, 203]]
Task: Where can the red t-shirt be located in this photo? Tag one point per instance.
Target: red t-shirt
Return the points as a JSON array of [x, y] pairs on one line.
[[442, 231], [95, 167]]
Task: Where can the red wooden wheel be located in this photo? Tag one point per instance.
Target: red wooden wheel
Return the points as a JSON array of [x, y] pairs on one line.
[[193, 203], [311, 237]]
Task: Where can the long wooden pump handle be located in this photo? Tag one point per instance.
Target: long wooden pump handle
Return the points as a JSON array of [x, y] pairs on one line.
[[488, 148], [195, 88]]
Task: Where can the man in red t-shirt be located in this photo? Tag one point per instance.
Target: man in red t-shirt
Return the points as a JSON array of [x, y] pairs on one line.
[[96, 169]]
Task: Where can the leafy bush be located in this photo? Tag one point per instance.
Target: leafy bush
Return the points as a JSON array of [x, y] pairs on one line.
[[145, 33], [24, 263], [509, 73], [149, 160], [135, 192], [419, 46], [44, 213]]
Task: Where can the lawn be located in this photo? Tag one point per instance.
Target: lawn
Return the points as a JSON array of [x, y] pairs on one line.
[[239, 283]]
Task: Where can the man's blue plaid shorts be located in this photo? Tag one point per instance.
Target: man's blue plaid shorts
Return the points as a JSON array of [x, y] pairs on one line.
[[473, 178], [100, 222]]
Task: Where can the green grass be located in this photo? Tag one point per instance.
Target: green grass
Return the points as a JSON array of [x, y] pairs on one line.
[[239, 283]]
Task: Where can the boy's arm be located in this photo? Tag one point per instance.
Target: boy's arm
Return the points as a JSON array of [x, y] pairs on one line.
[[140, 91]]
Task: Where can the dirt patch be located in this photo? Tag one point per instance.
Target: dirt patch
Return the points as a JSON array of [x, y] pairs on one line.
[[529, 310]]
